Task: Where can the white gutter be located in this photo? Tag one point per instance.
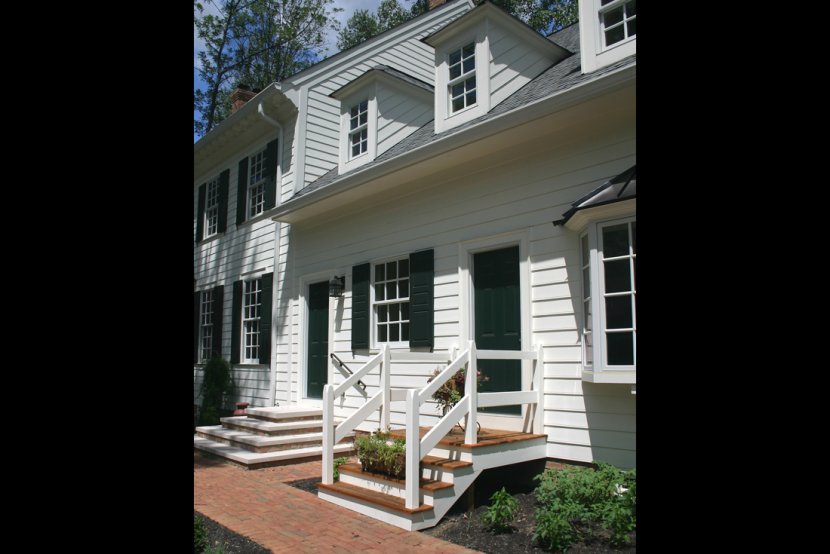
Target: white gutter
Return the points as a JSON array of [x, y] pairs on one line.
[[513, 118]]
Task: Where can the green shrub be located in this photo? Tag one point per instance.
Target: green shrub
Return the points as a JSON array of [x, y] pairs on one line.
[[377, 453], [573, 502], [199, 535], [501, 511], [337, 463], [217, 386]]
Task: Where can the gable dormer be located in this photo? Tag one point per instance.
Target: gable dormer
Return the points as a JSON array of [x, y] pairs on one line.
[[482, 58], [607, 32], [377, 110]]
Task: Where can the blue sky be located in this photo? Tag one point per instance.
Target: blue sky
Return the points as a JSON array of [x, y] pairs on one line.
[[349, 6]]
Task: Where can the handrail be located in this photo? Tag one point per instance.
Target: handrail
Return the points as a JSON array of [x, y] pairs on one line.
[[342, 365], [355, 377], [443, 377]]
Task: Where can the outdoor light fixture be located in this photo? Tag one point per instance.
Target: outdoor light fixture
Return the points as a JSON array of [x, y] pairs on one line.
[[336, 286]]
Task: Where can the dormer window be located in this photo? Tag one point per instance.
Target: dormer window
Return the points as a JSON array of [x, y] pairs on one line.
[[359, 128], [618, 19], [462, 81]]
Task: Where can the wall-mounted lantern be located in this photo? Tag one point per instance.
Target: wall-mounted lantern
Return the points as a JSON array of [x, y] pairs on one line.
[[336, 286]]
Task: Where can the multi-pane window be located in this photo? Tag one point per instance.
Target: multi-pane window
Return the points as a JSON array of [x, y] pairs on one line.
[[205, 325], [391, 302], [587, 322], [618, 19], [251, 304], [212, 208], [359, 128], [618, 255], [256, 184], [462, 83]]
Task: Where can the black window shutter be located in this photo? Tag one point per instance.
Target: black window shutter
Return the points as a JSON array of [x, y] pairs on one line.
[[267, 284], [271, 158], [200, 212], [224, 182], [241, 190], [421, 298], [196, 307], [360, 306], [236, 322], [218, 301]]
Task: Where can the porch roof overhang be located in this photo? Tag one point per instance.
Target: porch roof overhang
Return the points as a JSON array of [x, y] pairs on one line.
[[620, 191]]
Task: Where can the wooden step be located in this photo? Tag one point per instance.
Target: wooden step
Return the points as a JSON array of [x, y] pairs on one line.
[[372, 497], [486, 437], [444, 463], [425, 484]]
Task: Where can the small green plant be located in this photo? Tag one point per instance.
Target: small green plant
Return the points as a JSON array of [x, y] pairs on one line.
[[216, 549], [379, 453], [500, 513], [199, 535], [217, 386], [553, 530], [337, 463]]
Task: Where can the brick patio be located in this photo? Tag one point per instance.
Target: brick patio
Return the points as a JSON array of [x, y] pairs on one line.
[[259, 505]]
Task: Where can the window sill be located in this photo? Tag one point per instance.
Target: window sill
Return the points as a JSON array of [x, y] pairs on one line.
[[610, 376], [250, 365], [210, 238]]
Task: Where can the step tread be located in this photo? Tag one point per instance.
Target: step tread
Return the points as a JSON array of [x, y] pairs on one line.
[[261, 425], [444, 463], [260, 440], [247, 457], [277, 412], [373, 497], [486, 437], [425, 484]]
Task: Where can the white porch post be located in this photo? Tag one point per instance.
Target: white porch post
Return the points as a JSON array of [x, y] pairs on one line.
[[328, 434], [539, 383], [385, 371], [413, 449], [471, 388]]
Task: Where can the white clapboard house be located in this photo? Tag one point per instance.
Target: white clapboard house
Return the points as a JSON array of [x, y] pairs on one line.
[[459, 190]]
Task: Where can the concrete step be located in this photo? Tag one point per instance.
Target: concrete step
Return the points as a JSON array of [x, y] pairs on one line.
[[271, 428], [256, 460], [260, 443], [278, 414]]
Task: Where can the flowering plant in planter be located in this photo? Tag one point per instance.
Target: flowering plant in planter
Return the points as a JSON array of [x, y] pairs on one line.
[[451, 392], [378, 454]]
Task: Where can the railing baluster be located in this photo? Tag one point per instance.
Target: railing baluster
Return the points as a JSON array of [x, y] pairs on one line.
[[385, 372], [328, 435], [471, 390], [413, 447], [539, 412]]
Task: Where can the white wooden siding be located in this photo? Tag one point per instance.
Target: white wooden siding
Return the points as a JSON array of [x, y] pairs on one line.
[[513, 63], [583, 421], [399, 115]]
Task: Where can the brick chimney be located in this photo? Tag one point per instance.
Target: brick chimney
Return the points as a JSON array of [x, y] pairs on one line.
[[435, 3], [240, 96]]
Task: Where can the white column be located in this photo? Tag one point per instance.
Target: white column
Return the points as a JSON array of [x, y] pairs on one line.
[[385, 371], [539, 383], [471, 389], [328, 434], [413, 449]]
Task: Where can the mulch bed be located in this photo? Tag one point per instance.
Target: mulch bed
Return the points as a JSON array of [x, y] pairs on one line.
[[230, 542], [466, 529]]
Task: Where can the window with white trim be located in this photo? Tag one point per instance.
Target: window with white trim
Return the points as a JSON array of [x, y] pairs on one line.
[[618, 21], [462, 77], [205, 325], [212, 209], [358, 129], [390, 303], [609, 325], [256, 184], [251, 304]]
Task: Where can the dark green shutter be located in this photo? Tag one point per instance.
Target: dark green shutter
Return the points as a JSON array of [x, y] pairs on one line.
[[218, 302], [236, 322], [267, 284], [360, 306], [224, 181], [421, 298], [200, 213], [196, 308], [271, 158], [241, 190]]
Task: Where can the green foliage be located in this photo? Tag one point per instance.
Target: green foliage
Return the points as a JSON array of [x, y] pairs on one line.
[[452, 391], [337, 463], [217, 386], [377, 453], [501, 511], [545, 16], [199, 534], [573, 502], [363, 24]]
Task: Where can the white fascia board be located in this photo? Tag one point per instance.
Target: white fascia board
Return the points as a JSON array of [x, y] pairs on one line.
[[375, 75], [581, 218], [610, 376], [513, 118]]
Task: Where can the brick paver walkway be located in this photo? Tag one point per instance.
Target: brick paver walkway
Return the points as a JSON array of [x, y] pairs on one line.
[[259, 505]]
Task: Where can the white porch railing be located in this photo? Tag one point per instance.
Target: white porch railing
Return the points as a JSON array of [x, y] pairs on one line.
[[417, 448]]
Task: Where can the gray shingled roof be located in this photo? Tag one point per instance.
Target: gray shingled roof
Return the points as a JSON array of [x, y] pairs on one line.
[[619, 188], [559, 77]]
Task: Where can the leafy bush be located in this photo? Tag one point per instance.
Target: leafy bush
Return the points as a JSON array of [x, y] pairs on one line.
[[501, 511], [575, 501], [452, 391], [199, 535], [337, 463], [217, 385], [377, 453]]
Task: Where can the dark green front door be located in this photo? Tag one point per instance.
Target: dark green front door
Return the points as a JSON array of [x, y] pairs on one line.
[[318, 339], [498, 320]]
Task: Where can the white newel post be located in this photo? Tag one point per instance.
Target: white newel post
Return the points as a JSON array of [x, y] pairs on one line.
[[471, 388], [385, 371], [328, 434], [413, 449], [539, 378]]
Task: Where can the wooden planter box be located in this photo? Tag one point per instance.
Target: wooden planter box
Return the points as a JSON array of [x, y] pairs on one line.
[[376, 466]]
